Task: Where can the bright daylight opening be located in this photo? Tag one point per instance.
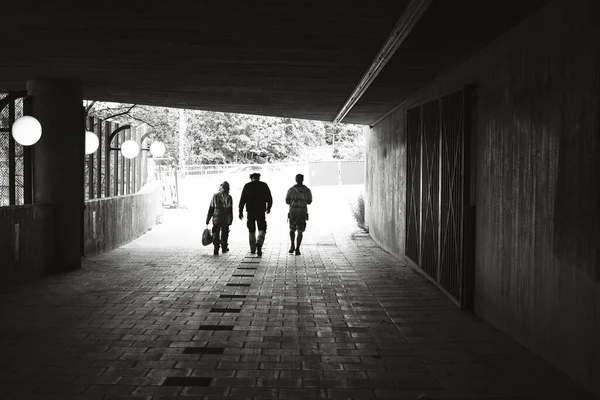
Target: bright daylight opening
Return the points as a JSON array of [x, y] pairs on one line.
[[204, 149]]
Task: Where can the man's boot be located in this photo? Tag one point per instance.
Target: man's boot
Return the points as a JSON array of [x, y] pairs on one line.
[[259, 242]]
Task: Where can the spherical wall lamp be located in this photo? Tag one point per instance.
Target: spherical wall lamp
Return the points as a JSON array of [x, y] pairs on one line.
[[91, 142], [157, 149], [26, 130], [130, 149]]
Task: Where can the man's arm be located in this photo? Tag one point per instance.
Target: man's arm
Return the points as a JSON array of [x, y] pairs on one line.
[[269, 198], [288, 196], [211, 210], [309, 199], [230, 211], [242, 201]]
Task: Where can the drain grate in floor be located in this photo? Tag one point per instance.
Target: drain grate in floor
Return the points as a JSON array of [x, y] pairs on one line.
[[233, 296], [237, 284], [243, 276], [203, 350], [250, 262], [215, 328], [246, 268], [186, 381], [226, 310], [349, 329]]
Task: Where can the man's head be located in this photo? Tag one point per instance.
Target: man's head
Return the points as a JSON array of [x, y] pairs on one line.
[[299, 179], [255, 176], [224, 187]]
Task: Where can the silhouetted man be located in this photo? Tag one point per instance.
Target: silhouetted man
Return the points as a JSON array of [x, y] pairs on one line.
[[221, 212], [256, 196], [298, 197]]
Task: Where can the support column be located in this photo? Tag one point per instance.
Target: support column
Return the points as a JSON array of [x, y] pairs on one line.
[[58, 165]]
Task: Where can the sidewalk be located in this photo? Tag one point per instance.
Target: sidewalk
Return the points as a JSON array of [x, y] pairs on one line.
[[162, 318]]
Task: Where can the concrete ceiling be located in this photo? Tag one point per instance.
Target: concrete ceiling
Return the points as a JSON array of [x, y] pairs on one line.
[[294, 58]]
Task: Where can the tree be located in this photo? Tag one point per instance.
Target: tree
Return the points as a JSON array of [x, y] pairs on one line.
[[221, 138], [161, 120]]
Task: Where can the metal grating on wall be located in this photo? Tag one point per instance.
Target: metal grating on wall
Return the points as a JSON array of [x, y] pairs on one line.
[[413, 195], [11, 156], [430, 181], [436, 192], [451, 214]]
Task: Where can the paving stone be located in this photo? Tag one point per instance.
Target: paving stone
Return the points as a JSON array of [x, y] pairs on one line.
[[345, 320]]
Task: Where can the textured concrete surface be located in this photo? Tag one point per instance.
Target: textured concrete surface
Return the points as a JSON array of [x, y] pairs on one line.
[[23, 228], [111, 222], [536, 157], [345, 320]]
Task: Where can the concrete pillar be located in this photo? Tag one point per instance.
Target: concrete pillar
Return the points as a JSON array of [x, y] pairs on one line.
[[58, 164]]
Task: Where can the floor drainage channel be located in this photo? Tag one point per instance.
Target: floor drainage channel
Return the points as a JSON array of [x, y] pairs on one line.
[[237, 284], [215, 328], [232, 296], [226, 310], [243, 276], [186, 381], [246, 268], [203, 350]]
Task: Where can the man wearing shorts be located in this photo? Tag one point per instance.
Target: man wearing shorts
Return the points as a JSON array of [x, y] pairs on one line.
[[298, 197]]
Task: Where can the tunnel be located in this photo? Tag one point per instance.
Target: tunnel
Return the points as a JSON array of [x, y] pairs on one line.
[[478, 275]]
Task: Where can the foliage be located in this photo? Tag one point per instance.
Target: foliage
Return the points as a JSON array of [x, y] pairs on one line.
[[358, 212], [222, 138]]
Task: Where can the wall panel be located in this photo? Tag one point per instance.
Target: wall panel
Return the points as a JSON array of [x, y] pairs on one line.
[[536, 168]]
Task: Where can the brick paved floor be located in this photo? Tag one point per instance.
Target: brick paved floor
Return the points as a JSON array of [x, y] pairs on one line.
[[345, 320]]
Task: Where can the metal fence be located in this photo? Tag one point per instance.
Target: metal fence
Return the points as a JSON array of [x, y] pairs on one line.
[[341, 172], [107, 172], [176, 179], [12, 156]]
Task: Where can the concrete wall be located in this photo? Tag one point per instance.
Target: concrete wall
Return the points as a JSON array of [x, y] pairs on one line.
[[111, 222], [537, 168], [27, 232], [385, 183], [26, 242]]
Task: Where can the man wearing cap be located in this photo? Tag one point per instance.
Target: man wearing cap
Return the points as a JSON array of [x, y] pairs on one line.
[[298, 197], [221, 212], [256, 196]]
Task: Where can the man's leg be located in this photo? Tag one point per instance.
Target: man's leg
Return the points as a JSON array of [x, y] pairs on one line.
[[216, 229], [262, 232], [224, 237], [298, 243], [251, 224], [292, 238], [301, 228]]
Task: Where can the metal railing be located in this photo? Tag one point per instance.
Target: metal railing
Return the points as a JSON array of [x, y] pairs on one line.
[[12, 156]]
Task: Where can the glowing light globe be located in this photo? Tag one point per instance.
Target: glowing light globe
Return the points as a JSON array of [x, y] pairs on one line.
[[91, 142], [27, 130], [157, 149], [130, 149]]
